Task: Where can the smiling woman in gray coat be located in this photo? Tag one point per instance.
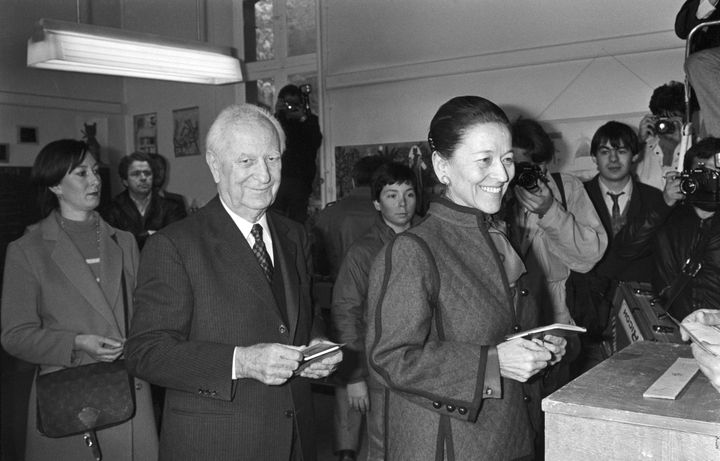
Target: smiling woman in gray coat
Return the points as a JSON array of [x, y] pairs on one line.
[[441, 301]]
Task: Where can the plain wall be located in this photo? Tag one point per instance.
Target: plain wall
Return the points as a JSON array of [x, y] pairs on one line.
[[387, 65], [572, 64]]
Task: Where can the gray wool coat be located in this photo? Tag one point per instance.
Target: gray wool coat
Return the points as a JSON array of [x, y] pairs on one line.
[[436, 311]]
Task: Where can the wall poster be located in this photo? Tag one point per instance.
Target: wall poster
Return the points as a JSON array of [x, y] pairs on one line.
[[186, 132], [145, 133]]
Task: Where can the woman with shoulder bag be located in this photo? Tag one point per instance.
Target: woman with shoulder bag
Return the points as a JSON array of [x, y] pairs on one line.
[[67, 297]]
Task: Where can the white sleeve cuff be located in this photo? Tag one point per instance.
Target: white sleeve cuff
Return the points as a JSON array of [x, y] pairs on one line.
[[704, 9], [234, 373]]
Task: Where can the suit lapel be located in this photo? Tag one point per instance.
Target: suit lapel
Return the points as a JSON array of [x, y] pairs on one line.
[[73, 266], [233, 252], [111, 261], [285, 254]]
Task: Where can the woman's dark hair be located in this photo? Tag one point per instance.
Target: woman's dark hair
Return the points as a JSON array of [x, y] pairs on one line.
[[615, 133], [453, 118], [529, 135], [127, 160], [392, 173], [703, 149], [54, 161]]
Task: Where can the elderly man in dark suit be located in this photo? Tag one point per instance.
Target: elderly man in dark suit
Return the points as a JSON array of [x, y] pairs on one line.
[[223, 310]]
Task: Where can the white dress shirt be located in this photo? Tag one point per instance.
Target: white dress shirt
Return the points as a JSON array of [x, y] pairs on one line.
[[245, 227], [623, 200]]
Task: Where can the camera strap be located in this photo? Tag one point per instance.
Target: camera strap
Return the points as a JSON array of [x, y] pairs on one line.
[[558, 181], [690, 268]]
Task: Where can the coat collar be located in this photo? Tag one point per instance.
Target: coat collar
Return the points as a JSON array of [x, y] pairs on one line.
[[67, 257]]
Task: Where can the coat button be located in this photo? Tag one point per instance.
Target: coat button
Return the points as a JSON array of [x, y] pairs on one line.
[[524, 292], [488, 391], [462, 411], [138, 386], [437, 405], [289, 413], [283, 329], [526, 398], [516, 328], [450, 408]]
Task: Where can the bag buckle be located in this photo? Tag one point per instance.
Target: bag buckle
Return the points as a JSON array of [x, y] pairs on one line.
[[691, 268]]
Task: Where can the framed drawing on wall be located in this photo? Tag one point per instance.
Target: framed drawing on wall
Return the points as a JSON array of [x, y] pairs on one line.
[[186, 132], [145, 133], [4, 153], [27, 135]]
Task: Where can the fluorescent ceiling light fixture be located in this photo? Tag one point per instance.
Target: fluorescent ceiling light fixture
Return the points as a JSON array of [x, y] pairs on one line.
[[69, 46]]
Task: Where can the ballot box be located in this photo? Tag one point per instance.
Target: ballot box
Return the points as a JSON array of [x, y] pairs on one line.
[[603, 415]]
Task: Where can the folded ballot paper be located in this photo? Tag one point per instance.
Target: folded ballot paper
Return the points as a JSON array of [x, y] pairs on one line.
[[556, 329], [312, 354]]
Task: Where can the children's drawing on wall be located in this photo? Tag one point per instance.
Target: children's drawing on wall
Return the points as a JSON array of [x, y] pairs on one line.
[[414, 154], [186, 132], [94, 132], [145, 131]]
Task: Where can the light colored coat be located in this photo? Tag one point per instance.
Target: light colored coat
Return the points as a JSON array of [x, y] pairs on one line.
[[49, 296]]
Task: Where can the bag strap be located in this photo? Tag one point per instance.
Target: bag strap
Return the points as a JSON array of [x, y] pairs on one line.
[[561, 187], [690, 268]]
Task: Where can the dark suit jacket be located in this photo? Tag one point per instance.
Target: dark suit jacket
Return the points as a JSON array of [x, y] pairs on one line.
[[123, 214], [589, 295], [686, 20], [200, 293], [611, 265]]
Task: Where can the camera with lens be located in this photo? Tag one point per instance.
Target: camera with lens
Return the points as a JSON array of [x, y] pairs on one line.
[[527, 175], [700, 185], [664, 125]]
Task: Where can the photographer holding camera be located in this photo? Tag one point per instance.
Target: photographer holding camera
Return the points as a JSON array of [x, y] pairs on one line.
[[683, 234], [303, 139], [660, 134], [554, 228]]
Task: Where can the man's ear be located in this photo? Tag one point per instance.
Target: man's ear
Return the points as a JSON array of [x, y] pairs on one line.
[[376, 204], [635, 158], [214, 165], [57, 190], [594, 158], [124, 183]]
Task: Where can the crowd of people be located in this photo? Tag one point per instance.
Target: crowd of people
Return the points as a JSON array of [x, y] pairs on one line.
[[220, 302]]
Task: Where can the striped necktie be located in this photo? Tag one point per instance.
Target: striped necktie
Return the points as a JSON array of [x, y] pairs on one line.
[[261, 252]]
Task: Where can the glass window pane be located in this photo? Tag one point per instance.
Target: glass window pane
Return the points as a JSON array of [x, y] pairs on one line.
[[266, 93], [311, 79], [301, 34], [264, 35], [261, 92]]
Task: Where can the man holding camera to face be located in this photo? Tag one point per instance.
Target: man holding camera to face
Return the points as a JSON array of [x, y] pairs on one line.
[[302, 131], [683, 234], [660, 134]]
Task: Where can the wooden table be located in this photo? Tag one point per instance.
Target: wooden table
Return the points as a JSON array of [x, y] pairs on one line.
[[603, 415]]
